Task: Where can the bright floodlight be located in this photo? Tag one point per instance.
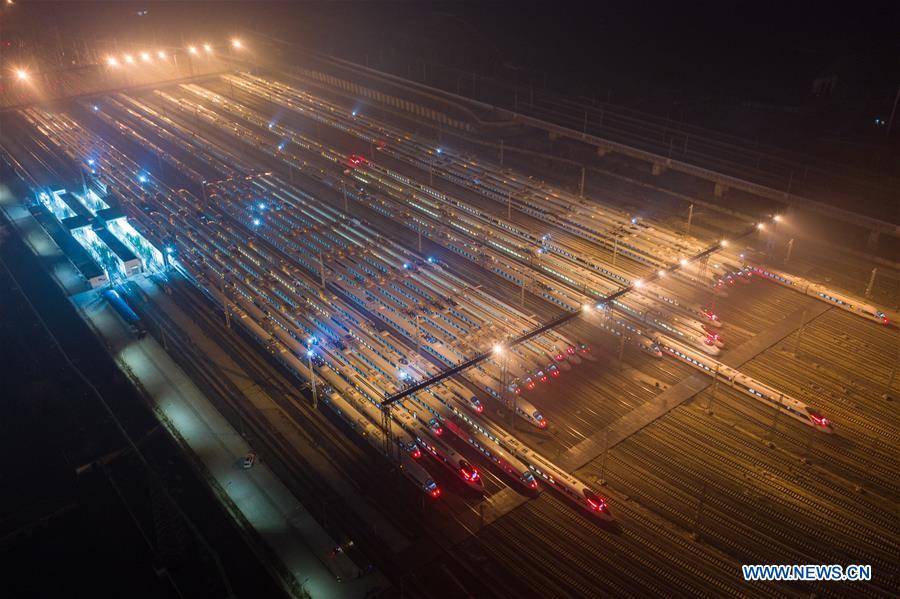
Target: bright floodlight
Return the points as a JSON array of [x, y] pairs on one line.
[[129, 59], [638, 284], [207, 47], [498, 349], [724, 243], [192, 49], [161, 55], [111, 61], [145, 56], [236, 43], [760, 226], [21, 74], [683, 262], [661, 273], [586, 307], [777, 218]]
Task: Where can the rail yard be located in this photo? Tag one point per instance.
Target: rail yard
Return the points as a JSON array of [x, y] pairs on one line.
[[630, 409]]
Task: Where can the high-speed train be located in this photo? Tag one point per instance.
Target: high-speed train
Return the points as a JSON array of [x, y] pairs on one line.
[[247, 266], [843, 301], [791, 406]]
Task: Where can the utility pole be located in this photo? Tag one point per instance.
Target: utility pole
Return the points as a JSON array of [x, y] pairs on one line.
[[799, 333], [322, 269], [887, 389], [893, 112], [775, 418], [602, 478], [790, 249], [225, 306], [715, 388], [615, 251], [809, 439], [871, 282], [312, 378], [621, 349], [700, 501], [690, 218], [581, 187], [501, 152], [509, 204]]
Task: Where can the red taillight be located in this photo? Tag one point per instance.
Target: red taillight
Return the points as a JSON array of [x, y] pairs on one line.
[[885, 321], [531, 385], [820, 420], [436, 492], [554, 372], [480, 408], [416, 454], [559, 357], [518, 391], [542, 424], [532, 484], [544, 379], [571, 350]]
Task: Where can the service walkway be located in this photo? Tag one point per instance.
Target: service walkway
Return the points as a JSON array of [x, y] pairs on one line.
[[261, 498], [592, 447]]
